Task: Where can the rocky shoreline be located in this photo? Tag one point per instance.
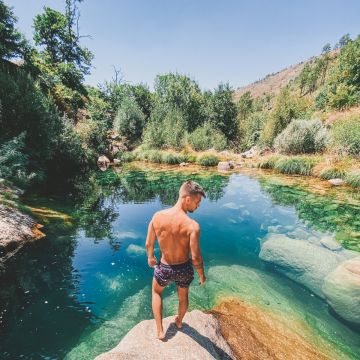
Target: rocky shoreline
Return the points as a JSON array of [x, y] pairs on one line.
[[16, 230]]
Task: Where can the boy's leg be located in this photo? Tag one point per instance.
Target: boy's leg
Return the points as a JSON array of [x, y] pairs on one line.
[[157, 307], [183, 296]]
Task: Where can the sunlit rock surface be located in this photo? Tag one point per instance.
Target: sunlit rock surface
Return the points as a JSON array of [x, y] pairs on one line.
[[200, 338], [302, 261], [253, 333], [342, 290], [16, 229]]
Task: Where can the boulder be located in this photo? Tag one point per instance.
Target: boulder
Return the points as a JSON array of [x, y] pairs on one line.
[[199, 338], [16, 229], [103, 162], [302, 261], [249, 153], [336, 182], [117, 161], [342, 290], [225, 165], [183, 164]]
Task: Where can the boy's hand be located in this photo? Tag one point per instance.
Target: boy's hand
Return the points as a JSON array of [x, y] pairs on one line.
[[152, 261], [202, 280]]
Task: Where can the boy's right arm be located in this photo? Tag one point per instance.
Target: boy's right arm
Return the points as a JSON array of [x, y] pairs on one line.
[[197, 260]]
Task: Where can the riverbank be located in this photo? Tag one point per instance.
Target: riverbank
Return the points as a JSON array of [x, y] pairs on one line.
[[346, 170]]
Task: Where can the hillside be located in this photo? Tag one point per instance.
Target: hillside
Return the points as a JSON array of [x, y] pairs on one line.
[[271, 84]]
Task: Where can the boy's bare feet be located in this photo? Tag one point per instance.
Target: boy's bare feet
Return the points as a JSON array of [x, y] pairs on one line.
[[161, 335], [178, 323]]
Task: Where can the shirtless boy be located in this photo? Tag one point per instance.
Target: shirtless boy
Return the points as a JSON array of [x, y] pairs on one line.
[[178, 235]]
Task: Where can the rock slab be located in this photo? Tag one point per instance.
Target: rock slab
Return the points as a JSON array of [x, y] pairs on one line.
[[200, 338]]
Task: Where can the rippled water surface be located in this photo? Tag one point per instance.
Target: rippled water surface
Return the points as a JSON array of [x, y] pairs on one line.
[[77, 292]]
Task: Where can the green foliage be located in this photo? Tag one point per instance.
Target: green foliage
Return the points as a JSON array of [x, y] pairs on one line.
[[208, 160], [269, 162], [130, 120], [170, 158], [127, 156], [179, 92], [295, 165], [206, 137], [12, 42], [14, 162], [165, 129], [287, 108], [222, 111], [345, 136], [154, 156], [353, 178], [332, 172], [245, 105], [301, 137]]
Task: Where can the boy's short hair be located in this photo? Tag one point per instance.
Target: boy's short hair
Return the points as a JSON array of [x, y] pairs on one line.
[[190, 188]]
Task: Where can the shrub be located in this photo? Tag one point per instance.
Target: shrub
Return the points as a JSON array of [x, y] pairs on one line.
[[130, 120], [208, 160], [353, 178], [332, 173], [127, 156], [345, 136], [154, 156], [295, 165], [13, 162], [268, 163], [207, 137], [302, 136], [170, 158]]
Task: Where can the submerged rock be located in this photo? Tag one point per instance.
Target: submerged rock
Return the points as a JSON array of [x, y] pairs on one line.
[[302, 261], [200, 338], [254, 333], [342, 290]]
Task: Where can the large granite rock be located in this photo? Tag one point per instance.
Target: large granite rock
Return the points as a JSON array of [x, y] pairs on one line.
[[200, 338], [342, 290], [302, 261], [16, 229]]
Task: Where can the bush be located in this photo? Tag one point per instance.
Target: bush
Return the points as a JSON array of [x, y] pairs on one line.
[[154, 156], [295, 165], [206, 137], [127, 156], [14, 163], [170, 158], [332, 173], [345, 136], [208, 160], [353, 178], [130, 120], [301, 137], [268, 163]]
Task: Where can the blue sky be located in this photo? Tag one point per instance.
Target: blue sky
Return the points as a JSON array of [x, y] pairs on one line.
[[211, 41]]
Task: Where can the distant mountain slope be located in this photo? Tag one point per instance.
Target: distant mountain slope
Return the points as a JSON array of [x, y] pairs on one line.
[[272, 83]]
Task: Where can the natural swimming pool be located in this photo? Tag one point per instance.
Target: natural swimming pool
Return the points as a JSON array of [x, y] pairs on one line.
[[76, 293]]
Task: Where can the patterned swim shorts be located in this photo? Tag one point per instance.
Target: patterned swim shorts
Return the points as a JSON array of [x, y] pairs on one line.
[[182, 274]]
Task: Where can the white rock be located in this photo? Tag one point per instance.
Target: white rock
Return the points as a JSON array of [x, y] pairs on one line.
[[330, 243], [336, 182], [342, 290], [200, 338]]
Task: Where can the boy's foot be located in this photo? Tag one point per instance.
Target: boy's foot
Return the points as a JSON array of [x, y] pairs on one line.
[[178, 323], [160, 335]]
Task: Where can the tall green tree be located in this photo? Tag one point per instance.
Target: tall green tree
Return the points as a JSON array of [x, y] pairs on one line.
[[12, 41]]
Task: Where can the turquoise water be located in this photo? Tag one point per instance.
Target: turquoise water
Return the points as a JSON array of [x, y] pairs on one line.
[[77, 292]]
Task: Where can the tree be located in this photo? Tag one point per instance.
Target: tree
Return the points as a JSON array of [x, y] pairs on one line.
[[345, 39], [326, 49], [130, 120], [223, 111], [12, 42], [244, 105], [180, 92]]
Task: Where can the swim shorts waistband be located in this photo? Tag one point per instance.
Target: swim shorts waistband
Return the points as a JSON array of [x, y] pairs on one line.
[[176, 266]]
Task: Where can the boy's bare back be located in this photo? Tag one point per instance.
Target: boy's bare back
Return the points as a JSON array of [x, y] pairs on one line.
[[173, 230]]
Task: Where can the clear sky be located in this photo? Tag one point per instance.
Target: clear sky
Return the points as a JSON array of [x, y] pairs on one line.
[[212, 41]]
